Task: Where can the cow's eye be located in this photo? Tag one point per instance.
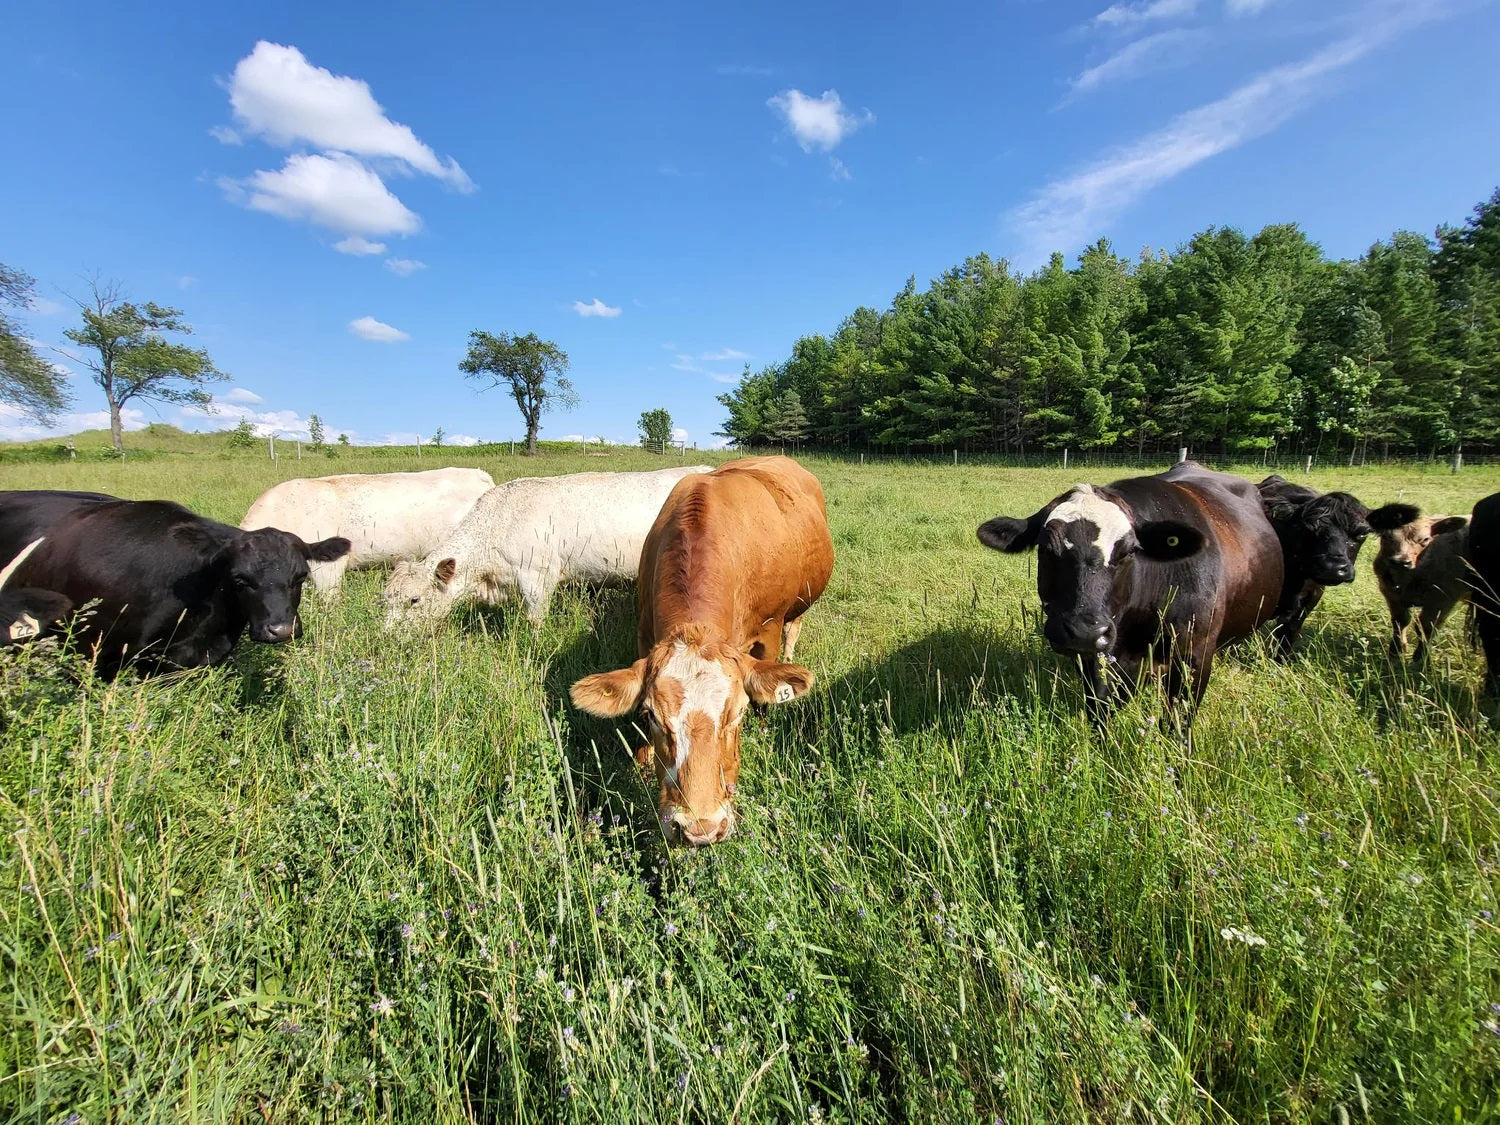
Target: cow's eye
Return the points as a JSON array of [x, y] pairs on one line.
[[244, 581], [417, 598]]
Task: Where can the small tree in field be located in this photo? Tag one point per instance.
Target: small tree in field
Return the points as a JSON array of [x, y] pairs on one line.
[[315, 432], [131, 359], [437, 438], [344, 440], [242, 436], [530, 368], [656, 428]]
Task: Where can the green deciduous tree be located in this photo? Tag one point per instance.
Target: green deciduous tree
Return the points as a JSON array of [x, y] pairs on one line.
[[656, 428], [530, 368], [26, 379], [242, 436], [130, 358], [315, 432]]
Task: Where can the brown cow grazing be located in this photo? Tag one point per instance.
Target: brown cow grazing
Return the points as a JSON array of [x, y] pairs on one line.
[[1422, 565], [728, 569], [1151, 574]]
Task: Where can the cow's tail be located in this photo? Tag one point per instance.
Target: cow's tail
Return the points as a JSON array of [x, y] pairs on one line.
[[15, 563]]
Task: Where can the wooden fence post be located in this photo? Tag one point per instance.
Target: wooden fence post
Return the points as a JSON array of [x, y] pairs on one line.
[[271, 441], [1182, 454], [1458, 461], [1308, 467]]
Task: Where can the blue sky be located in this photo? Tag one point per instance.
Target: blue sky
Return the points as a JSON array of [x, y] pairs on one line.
[[336, 195]]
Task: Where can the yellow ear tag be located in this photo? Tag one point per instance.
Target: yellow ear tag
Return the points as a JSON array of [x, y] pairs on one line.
[[609, 691], [1172, 540]]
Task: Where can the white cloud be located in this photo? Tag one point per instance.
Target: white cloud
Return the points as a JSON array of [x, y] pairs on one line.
[[1246, 7], [819, 123], [679, 434], [719, 356], [463, 440], [332, 189], [704, 364], [356, 245], [1126, 15], [43, 306], [1071, 210], [368, 328], [404, 267], [1136, 58], [277, 94], [186, 281], [224, 413], [225, 135], [16, 426], [239, 395], [838, 170], [595, 307]]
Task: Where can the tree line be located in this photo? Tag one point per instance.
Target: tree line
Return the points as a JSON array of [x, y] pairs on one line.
[[1228, 344]]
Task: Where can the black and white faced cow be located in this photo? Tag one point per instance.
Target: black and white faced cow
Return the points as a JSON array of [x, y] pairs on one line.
[[1149, 574], [174, 590], [1320, 536], [25, 612]]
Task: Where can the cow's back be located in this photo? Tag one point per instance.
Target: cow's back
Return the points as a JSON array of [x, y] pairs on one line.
[[385, 516], [1232, 584], [28, 515], [587, 527], [749, 540]]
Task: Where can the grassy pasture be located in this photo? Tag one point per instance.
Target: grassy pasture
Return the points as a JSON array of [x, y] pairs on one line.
[[358, 878]]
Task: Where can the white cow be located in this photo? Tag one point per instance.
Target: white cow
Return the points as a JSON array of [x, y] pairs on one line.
[[386, 516], [527, 535]]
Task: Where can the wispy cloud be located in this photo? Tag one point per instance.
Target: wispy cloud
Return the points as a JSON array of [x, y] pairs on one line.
[[1154, 52], [1070, 210], [705, 363], [839, 170], [1247, 7], [368, 328], [821, 123], [358, 246], [404, 267], [595, 307], [43, 306], [1128, 15]]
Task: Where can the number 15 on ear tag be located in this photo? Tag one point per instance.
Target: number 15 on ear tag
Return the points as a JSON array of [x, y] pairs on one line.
[[784, 693]]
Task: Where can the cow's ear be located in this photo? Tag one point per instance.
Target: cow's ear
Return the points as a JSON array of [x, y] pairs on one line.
[[204, 539], [446, 569], [326, 550], [608, 695], [770, 682], [1280, 509], [1167, 540], [1450, 524], [1005, 533], [1392, 516]]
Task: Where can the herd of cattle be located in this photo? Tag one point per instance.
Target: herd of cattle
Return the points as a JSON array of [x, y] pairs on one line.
[[1148, 575]]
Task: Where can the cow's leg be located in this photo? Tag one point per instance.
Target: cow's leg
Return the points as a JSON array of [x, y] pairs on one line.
[[535, 588], [1289, 625], [1428, 621], [1400, 622], [789, 634]]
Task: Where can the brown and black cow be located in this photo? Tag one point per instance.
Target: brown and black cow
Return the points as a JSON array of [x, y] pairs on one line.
[[1320, 535], [1422, 566], [734, 559], [1149, 574]]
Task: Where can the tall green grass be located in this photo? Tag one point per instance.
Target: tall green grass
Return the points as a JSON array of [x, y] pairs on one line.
[[370, 877]]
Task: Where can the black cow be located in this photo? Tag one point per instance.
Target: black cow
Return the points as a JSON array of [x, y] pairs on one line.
[[175, 590], [1484, 559], [1320, 535], [26, 613], [1150, 573]]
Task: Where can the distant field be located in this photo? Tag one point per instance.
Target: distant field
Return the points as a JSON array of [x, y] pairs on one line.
[[363, 877]]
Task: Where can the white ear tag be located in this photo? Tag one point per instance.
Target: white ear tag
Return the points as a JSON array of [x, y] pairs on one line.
[[784, 693], [27, 626]]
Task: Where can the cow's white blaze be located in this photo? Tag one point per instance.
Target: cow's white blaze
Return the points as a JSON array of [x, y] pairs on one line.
[[15, 563], [705, 687], [1083, 504]]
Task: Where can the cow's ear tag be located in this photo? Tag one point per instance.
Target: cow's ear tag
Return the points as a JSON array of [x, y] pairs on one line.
[[784, 693], [26, 627], [609, 691]]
